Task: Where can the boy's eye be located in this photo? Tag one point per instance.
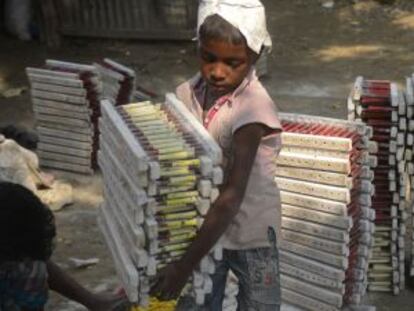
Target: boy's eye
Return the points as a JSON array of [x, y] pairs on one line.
[[233, 63], [207, 57]]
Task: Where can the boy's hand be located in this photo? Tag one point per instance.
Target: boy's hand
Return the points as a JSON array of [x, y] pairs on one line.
[[170, 281]]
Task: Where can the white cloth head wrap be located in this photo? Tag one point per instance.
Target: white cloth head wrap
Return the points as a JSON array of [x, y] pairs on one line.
[[248, 16]]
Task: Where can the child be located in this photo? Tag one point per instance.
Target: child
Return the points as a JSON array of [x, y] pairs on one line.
[[27, 231], [237, 111]]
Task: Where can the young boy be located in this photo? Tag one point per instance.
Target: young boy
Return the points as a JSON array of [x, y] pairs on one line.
[[237, 111], [27, 231]]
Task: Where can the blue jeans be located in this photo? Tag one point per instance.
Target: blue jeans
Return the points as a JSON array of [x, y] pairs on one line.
[[259, 281]]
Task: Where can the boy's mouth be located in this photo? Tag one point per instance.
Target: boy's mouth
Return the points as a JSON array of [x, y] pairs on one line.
[[219, 88]]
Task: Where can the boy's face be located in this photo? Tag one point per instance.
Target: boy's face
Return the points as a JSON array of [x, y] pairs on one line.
[[224, 65]]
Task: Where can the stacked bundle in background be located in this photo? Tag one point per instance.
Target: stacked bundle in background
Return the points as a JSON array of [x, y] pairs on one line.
[[325, 178], [65, 99], [161, 171], [409, 97], [118, 81], [381, 106]]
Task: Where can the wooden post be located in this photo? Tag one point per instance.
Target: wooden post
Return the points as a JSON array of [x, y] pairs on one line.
[[49, 23]]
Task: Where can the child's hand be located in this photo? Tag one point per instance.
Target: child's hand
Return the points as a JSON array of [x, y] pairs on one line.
[[170, 281], [107, 302]]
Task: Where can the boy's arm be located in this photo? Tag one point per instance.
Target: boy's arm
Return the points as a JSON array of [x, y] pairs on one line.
[[62, 283], [171, 280]]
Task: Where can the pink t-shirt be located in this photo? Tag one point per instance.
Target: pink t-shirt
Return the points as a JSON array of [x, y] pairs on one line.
[[249, 103]]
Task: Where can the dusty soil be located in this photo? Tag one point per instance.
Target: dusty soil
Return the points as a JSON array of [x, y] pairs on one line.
[[317, 54]]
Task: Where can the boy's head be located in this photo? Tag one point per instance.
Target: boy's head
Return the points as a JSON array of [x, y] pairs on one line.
[[224, 55], [232, 34], [27, 226]]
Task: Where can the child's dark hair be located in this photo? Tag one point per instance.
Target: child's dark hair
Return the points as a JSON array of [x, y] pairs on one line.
[[215, 27], [27, 226]]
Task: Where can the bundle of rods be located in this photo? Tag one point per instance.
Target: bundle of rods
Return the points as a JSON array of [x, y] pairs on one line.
[[380, 105], [161, 172], [325, 180], [65, 98]]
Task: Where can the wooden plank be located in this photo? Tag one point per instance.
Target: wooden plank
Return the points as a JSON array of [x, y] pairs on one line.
[[329, 259], [52, 63], [312, 266], [305, 302], [64, 134], [136, 167], [316, 152], [59, 97], [132, 234], [77, 91], [136, 181], [301, 273], [313, 189], [340, 249], [76, 14], [46, 155], [83, 12], [133, 195], [65, 142], [59, 105], [291, 211], [316, 292], [76, 168], [51, 73], [113, 17], [87, 131], [102, 7], [120, 67], [56, 112], [314, 162], [129, 13], [315, 229], [50, 119], [323, 205], [63, 150], [124, 266], [358, 127], [66, 82], [317, 142], [117, 14], [122, 13], [95, 14], [133, 209], [140, 179], [322, 177], [110, 114]]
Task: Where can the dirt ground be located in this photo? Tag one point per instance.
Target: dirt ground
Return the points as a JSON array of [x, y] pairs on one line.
[[317, 54]]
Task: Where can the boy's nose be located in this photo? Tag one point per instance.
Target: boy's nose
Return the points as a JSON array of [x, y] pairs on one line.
[[217, 73]]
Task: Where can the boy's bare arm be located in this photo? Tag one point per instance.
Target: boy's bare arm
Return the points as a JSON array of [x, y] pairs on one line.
[[246, 141], [62, 283]]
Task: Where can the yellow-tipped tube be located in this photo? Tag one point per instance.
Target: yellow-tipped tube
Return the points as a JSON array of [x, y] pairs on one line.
[[176, 216], [177, 224], [156, 305], [177, 188]]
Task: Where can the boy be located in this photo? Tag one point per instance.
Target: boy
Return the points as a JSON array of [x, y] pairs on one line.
[[27, 230], [237, 111]]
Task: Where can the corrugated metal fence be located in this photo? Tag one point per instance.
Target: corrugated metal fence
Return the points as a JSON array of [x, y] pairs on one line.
[[143, 19]]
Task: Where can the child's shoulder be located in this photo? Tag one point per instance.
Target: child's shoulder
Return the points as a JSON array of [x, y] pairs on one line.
[[184, 89], [256, 93], [254, 105]]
